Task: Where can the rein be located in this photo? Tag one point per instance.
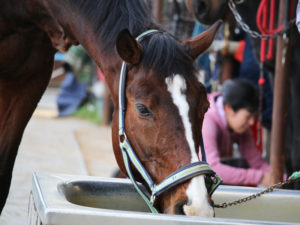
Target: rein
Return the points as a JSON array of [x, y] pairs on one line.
[[129, 157]]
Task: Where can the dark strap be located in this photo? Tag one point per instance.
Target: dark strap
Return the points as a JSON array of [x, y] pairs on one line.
[[202, 149]]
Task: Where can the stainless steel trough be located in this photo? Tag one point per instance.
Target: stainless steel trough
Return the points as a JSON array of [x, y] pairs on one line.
[[59, 199]]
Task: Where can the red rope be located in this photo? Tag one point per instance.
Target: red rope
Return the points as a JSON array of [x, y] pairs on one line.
[[262, 14], [291, 10], [265, 20], [266, 15], [271, 27], [261, 20]]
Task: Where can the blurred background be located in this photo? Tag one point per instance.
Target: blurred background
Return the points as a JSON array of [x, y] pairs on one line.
[[70, 129]]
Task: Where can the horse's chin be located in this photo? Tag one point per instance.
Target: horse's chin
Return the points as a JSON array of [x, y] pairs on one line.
[[190, 210], [184, 208], [202, 10], [206, 13]]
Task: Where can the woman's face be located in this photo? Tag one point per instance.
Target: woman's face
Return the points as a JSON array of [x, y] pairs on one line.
[[239, 121]]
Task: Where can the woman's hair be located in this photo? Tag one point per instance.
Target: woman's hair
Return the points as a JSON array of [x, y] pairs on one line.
[[241, 94]]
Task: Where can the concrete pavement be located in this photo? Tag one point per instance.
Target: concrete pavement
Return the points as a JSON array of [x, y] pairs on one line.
[[56, 145]]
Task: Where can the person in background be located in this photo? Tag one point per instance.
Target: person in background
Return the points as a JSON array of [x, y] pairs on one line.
[[79, 69], [72, 93], [227, 122]]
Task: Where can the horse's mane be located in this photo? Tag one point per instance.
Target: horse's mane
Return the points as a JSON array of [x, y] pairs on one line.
[[162, 52], [111, 16]]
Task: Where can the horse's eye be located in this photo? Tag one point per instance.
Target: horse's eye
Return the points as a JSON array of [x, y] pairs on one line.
[[143, 110]]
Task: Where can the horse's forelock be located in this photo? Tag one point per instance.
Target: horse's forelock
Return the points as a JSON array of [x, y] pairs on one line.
[[165, 56]]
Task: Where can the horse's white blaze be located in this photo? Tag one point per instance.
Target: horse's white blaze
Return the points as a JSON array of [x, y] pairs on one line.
[[197, 194]]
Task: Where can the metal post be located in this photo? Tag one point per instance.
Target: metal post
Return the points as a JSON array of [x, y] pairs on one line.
[[281, 83]]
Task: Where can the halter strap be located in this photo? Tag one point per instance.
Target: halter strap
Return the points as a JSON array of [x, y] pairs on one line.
[[129, 156], [122, 83]]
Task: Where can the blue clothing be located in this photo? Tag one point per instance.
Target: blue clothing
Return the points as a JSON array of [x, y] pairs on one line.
[[203, 61], [71, 95], [59, 56], [249, 70]]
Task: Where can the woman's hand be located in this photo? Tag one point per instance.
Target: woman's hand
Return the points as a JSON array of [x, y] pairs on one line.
[[266, 180]]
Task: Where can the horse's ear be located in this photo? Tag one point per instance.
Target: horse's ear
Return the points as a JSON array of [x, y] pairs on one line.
[[200, 43], [128, 48]]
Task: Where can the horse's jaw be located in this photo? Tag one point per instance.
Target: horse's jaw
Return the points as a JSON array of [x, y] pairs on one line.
[[198, 204]]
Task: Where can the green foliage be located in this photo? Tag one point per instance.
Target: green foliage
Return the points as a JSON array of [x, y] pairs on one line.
[[89, 111]]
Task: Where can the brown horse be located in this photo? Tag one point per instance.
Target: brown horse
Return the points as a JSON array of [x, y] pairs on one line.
[[165, 102], [207, 11]]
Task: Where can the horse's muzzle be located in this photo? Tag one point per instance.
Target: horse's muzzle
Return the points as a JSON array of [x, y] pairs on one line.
[[178, 208], [207, 11], [202, 8]]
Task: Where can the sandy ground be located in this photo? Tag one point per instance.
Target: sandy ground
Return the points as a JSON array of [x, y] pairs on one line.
[[56, 145]]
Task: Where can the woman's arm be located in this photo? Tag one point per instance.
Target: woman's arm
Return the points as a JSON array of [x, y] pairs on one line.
[[250, 152], [230, 175]]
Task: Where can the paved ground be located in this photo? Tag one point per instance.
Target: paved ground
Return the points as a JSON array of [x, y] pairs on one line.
[[56, 145]]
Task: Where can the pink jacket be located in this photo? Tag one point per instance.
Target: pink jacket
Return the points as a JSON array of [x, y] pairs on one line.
[[218, 142]]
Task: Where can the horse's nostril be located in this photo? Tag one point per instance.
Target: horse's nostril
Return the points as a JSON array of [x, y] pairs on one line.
[[202, 8], [178, 208]]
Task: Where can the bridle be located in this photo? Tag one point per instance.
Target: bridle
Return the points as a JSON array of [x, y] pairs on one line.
[[194, 169]]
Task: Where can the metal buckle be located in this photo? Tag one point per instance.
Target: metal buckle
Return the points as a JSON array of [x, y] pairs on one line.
[[212, 182], [122, 137]]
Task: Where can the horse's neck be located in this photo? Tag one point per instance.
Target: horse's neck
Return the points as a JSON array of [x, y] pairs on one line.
[[66, 25]]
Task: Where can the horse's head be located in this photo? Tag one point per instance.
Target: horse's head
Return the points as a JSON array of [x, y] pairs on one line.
[[165, 106], [206, 11], [209, 11]]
